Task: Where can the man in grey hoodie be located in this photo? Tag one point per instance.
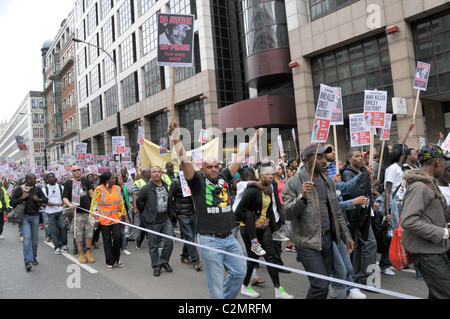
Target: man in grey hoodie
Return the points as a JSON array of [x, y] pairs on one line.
[[424, 221]]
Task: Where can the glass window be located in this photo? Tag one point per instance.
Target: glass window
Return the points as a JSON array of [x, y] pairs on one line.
[[128, 51], [106, 7], [264, 25], [111, 101], [126, 16], [92, 19], [108, 33], [146, 5], [158, 127], [355, 68], [130, 90], [432, 46], [150, 34], [95, 78], [319, 8], [96, 107], [153, 77]]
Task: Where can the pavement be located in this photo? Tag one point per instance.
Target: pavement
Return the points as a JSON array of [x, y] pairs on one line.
[[63, 277]]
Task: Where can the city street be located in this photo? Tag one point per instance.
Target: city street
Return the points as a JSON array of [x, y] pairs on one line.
[[62, 277]]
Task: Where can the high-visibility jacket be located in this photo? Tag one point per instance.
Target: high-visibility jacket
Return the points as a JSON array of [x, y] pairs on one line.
[[166, 178], [139, 183], [5, 199], [110, 205]]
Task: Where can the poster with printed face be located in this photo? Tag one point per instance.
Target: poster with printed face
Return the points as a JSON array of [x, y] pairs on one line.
[[141, 136], [175, 40], [386, 131], [375, 103], [90, 159], [118, 144], [103, 163], [80, 152], [359, 130], [163, 146], [20, 140], [338, 112], [422, 75], [76, 191], [126, 156], [328, 100]]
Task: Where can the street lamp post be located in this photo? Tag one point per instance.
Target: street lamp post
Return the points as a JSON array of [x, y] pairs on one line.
[[115, 79]]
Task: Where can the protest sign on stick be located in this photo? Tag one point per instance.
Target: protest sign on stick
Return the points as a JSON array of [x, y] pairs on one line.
[[420, 83], [359, 130], [337, 119], [327, 102]]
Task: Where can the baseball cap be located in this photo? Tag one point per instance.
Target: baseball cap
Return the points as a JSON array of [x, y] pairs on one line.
[[168, 164], [430, 151], [311, 149]]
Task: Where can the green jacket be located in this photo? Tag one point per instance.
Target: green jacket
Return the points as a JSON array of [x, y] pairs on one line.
[[5, 199]]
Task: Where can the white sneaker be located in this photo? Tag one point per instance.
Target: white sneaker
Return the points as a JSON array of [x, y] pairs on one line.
[[280, 293], [257, 249], [58, 251], [279, 236], [248, 291], [2, 237], [355, 293], [125, 252], [387, 272]]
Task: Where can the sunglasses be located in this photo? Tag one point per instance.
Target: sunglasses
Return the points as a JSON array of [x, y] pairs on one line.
[[76, 170]]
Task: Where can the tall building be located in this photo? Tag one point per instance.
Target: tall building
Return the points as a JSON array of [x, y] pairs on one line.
[[258, 64], [360, 45], [61, 121], [28, 122]]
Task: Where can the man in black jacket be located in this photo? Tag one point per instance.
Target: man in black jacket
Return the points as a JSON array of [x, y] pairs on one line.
[[152, 204], [181, 207], [33, 197], [365, 252]]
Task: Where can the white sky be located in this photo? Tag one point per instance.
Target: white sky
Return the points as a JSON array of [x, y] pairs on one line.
[[25, 25]]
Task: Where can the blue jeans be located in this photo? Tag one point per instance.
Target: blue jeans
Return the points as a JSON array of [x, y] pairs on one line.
[[187, 230], [58, 229], [342, 269], [30, 232], [319, 262], [219, 288], [46, 224]]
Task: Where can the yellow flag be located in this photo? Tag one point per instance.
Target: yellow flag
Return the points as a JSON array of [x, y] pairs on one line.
[[149, 154]]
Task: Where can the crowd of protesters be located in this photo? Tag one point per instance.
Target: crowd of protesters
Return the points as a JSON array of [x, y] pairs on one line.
[[327, 213]]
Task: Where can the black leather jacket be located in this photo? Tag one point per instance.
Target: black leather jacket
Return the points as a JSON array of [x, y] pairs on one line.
[[178, 204]]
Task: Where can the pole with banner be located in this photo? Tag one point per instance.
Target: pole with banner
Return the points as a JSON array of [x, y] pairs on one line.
[[175, 45], [420, 83], [328, 99], [385, 135], [375, 104], [337, 119]]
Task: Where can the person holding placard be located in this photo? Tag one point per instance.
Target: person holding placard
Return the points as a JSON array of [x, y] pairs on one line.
[[215, 217], [84, 228], [316, 217]]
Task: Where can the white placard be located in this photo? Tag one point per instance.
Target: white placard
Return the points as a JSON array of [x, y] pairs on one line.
[[359, 130], [375, 103]]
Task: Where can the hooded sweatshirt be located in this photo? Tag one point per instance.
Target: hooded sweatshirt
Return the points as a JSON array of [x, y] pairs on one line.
[[425, 215]]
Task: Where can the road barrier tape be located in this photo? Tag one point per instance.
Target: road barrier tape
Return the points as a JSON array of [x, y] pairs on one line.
[[298, 271]]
